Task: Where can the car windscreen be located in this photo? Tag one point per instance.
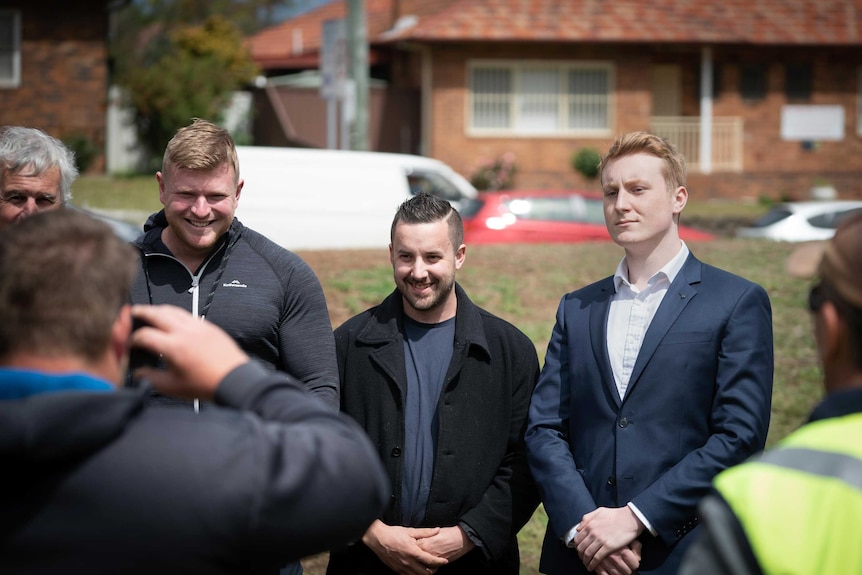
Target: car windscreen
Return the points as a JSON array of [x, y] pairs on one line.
[[563, 208], [434, 184]]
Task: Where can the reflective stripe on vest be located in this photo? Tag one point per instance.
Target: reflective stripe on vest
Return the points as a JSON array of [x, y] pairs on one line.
[[801, 503], [825, 464]]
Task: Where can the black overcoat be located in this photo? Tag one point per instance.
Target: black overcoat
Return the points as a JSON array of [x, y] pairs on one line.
[[480, 476]]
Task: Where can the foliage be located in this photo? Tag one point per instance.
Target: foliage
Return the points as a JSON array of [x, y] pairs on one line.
[[174, 68], [192, 76], [84, 149], [586, 162], [496, 174]]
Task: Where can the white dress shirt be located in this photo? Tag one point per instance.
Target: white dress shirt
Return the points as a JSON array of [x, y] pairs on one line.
[[632, 311]]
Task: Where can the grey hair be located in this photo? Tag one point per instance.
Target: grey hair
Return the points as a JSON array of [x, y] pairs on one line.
[[33, 150]]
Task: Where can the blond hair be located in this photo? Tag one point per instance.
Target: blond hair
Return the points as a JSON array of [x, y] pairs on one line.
[[201, 145], [673, 170]]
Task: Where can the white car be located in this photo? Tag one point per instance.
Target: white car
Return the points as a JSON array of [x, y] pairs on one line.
[[801, 221]]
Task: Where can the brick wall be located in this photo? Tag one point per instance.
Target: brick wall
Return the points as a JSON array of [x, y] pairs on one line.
[[64, 75], [771, 167]]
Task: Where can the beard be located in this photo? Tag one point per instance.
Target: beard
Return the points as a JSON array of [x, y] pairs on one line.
[[440, 290]]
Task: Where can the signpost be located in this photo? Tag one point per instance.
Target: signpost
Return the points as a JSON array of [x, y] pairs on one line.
[[333, 75]]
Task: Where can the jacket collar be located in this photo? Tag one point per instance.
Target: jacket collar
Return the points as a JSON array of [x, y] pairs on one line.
[[838, 404], [387, 320], [151, 239], [65, 422]]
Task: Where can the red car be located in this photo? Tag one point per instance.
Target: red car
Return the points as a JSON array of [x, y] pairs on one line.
[[542, 216]]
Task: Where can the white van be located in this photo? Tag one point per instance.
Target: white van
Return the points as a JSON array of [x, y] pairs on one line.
[[335, 199]]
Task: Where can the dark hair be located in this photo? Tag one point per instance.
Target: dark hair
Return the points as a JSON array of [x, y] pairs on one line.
[[63, 278], [425, 208]]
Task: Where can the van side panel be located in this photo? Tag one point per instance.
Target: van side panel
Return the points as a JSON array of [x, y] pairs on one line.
[[325, 204], [328, 199]]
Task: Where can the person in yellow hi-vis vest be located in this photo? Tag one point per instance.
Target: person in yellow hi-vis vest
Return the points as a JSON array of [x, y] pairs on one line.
[[797, 508]]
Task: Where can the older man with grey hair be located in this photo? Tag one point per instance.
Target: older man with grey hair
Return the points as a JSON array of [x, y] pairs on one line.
[[36, 173]]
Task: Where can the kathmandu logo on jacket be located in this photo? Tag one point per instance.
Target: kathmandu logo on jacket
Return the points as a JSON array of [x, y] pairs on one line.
[[235, 284]]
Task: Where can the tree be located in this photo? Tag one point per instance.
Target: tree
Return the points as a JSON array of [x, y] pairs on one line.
[[191, 75], [181, 59]]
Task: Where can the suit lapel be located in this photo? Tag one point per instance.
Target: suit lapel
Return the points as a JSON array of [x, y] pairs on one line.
[[678, 295], [599, 309]]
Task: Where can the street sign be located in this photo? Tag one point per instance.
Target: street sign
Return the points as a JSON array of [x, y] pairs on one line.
[[333, 59]]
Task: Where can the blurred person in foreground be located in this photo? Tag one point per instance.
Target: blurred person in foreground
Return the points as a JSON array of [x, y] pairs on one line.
[[656, 378], [96, 480], [195, 254], [36, 173], [442, 387], [797, 508]]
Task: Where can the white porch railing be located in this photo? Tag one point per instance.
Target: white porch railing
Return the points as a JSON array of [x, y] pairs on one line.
[[684, 133]]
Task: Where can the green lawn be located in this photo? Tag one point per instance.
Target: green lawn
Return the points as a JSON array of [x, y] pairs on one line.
[[133, 193]]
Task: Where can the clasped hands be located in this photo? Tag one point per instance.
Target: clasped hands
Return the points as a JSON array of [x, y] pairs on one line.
[[416, 551], [607, 541]]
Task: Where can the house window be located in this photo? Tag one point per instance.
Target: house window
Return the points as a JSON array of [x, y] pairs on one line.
[[539, 99], [752, 82], [797, 82], [10, 48]]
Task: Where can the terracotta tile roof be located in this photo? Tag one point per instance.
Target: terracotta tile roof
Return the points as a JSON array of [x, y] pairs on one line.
[[728, 21], [790, 22], [298, 40]]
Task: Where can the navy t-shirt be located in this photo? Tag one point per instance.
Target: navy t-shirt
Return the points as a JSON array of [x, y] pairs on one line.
[[427, 354]]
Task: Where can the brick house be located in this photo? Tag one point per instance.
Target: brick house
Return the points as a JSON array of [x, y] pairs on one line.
[[54, 68], [763, 96]]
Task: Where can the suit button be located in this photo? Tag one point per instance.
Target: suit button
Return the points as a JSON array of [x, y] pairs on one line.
[[396, 452], [612, 480], [623, 422]]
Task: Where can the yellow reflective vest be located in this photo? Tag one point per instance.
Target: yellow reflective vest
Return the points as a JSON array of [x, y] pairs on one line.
[[800, 503]]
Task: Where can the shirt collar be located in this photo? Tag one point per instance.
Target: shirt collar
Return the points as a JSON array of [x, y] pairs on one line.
[[670, 270]]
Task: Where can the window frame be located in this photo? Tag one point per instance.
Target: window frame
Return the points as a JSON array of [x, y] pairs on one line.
[[563, 68], [14, 80]]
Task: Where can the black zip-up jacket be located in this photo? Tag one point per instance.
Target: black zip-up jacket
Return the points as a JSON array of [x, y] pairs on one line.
[[266, 297]]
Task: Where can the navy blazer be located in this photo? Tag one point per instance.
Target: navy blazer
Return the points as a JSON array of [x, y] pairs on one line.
[[698, 401]]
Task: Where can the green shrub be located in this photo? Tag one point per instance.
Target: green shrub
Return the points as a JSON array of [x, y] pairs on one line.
[[586, 162], [84, 149]]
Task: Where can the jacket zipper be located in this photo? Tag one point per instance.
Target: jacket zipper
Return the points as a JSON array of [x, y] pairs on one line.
[[194, 290]]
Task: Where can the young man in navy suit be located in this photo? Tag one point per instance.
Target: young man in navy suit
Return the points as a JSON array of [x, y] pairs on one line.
[[655, 379]]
